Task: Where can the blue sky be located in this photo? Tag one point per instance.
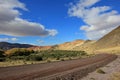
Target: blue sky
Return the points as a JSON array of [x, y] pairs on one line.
[[50, 22]]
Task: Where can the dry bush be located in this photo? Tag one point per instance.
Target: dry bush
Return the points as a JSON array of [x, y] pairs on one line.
[[100, 71]]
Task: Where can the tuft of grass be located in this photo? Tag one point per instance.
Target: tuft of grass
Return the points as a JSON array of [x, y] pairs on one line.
[[100, 71], [58, 58], [49, 61], [70, 58]]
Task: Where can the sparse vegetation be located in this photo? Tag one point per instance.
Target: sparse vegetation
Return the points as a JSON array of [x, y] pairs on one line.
[[18, 52], [34, 57], [25, 55]]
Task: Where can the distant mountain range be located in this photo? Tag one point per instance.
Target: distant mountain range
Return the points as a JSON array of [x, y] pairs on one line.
[[110, 42], [6, 45]]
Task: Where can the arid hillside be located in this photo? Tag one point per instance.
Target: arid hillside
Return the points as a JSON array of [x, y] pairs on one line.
[[37, 48], [69, 45], [76, 45], [110, 40], [110, 43], [86, 46], [63, 46]]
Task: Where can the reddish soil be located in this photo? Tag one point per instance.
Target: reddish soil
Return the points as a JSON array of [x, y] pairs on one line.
[[30, 72]]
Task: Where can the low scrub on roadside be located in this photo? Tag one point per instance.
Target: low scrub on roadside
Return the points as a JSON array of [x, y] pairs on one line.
[[34, 57], [30, 55], [100, 71], [55, 54]]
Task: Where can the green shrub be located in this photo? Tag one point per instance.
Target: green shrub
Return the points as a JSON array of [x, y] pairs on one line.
[[58, 58], [34, 58], [2, 54], [82, 53], [61, 53], [17, 57], [2, 59]]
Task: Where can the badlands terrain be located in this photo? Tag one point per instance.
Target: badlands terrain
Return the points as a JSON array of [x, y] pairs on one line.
[[110, 43]]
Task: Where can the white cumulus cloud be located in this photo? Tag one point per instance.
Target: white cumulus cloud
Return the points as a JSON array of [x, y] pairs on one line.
[[41, 41], [13, 39], [99, 19], [12, 24], [4, 39], [8, 39]]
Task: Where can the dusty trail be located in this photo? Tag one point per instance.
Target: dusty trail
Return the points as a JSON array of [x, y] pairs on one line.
[[33, 71]]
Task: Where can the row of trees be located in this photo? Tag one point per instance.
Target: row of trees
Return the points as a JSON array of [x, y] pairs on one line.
[[30, 55], [55, 54]]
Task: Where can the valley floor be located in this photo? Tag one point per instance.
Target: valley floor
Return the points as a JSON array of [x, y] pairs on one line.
[[112, 72]]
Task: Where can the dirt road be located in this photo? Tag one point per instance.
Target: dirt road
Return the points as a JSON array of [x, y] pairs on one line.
[[34, 71]]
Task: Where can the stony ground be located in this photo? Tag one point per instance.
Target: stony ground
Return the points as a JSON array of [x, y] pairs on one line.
[[110, 69]]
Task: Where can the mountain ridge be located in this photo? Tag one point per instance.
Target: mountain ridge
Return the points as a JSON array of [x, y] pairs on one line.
[[7, 45]]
